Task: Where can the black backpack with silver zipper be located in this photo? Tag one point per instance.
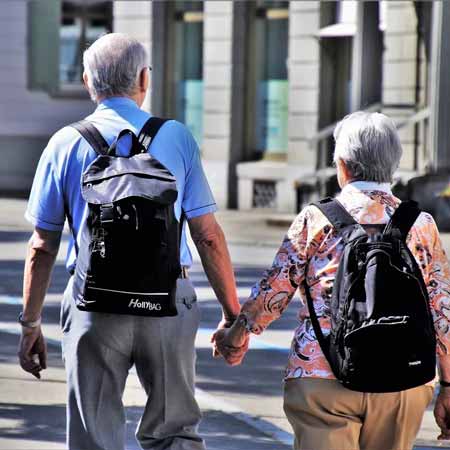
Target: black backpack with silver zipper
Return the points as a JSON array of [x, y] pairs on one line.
[[129, 257], [382, 335]]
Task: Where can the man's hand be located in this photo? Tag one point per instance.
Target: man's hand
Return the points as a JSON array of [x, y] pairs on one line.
[[224, 323], [231, 343], [442, 412], [32, 344]]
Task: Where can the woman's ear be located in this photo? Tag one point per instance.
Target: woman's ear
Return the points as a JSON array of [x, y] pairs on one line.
[[343, 174]]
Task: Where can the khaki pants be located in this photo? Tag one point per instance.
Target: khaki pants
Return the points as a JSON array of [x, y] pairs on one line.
[[327, 416]]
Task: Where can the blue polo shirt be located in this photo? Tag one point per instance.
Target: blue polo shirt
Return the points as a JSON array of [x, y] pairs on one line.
[[57, 181]]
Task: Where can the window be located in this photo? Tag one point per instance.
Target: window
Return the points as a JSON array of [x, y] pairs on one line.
[[187, 93], [59, 31], [268, 81], [80, 26]]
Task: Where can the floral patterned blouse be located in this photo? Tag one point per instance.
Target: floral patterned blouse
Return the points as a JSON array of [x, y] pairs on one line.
[[312, 249]]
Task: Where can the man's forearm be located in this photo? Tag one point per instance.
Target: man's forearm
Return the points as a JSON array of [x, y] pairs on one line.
[[41, 255], [216, 261]]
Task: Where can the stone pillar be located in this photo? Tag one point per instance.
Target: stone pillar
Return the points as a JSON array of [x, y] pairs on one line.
[[217, 69], [304, 80], [399, 70], [135, 19], [440, 86], [367, 52]]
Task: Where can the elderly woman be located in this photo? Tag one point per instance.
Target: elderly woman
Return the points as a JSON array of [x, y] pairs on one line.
[[324, 414]]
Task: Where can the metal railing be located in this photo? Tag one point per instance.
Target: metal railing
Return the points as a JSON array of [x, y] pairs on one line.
[[321, 141]]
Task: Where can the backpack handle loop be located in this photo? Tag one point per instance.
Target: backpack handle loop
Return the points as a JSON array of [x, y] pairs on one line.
[[136, 146]]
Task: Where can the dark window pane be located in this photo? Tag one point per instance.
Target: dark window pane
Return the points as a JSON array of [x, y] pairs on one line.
[[80, 26]]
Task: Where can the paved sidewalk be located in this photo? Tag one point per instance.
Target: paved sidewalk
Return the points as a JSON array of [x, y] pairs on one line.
[[32, 413]]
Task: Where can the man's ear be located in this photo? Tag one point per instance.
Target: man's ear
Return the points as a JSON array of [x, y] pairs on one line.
[[85, 80], [144, 80]]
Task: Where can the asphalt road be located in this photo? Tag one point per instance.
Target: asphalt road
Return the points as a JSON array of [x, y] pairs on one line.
[[242, 405]]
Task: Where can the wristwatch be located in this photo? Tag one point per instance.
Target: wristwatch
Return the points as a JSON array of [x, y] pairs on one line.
[[243, 321], [444, 383], [29, 323]]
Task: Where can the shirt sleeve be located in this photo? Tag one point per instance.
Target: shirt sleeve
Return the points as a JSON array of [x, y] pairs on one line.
[[272, 295], [433, 262], [46, 203], [198, 198]]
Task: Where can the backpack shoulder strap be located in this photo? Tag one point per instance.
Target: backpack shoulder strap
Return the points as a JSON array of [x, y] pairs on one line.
[[92, 135], [403, 218], [150, 130], [333, 210]]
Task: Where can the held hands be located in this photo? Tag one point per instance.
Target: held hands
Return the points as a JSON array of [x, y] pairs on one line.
[[442, 412], [231, 343], [32, 344]]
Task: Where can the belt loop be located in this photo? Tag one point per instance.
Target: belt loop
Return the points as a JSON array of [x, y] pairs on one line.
[[184, 272]]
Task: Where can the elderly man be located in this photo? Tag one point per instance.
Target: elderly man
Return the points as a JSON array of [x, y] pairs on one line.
[[323, 413], [99, 349]]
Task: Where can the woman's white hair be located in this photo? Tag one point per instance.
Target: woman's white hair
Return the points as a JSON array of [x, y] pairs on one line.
[[369, 145], [113, 64]]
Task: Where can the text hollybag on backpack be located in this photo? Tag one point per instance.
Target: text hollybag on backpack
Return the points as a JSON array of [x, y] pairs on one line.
[[128, 261], [382, 336]]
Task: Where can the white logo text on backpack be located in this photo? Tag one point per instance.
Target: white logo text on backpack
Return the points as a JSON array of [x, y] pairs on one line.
[[138, 303]]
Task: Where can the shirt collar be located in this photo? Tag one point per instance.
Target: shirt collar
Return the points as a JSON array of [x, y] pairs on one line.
[[368, 186], [117, 102]]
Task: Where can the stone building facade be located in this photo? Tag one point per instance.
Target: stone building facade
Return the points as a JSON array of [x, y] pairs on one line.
[[260, 83]]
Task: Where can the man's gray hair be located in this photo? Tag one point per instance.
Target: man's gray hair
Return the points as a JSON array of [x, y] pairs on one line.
[[113, 64], [369, 145]]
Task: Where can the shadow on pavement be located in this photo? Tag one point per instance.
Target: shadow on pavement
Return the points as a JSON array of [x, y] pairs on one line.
[[20, 236], [10, 343], [261, 373], [11, 278], [33, 422]]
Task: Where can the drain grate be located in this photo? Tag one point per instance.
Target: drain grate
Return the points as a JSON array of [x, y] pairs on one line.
[[264, 194]]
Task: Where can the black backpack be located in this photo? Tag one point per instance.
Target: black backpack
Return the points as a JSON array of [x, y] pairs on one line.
[[382, 337], [129, 258]]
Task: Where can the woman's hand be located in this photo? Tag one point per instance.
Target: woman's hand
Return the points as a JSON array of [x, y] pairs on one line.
[[231, 343]]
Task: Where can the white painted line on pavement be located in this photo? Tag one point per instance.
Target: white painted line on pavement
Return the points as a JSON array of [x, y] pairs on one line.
[[10, 300], [13, 328], [212, 402]]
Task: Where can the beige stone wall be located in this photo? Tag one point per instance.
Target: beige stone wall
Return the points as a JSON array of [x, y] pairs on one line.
[[217, 44], [399, 69], [304, 66], [135, 19]]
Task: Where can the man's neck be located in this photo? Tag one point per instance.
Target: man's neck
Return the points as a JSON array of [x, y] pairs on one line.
[[134, 98]]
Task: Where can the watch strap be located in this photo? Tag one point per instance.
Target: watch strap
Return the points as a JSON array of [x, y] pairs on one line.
[[29, 323]]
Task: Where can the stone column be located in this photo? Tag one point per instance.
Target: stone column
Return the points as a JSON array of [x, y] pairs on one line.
[[440, 86], [135, 19], [217, 69], [304, 79], [399, 69]]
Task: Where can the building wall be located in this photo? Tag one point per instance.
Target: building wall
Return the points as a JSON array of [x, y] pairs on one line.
[[399, 69], [135, 19], [218, 35], [27, 119]]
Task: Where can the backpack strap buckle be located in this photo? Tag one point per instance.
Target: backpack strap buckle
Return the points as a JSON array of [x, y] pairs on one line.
[[107, 214]]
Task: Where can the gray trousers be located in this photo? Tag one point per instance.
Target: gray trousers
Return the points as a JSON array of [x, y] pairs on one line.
[[99, 349]]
